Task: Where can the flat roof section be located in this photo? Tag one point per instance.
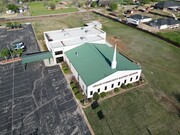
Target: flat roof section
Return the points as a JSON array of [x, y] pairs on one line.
[[93, 62], [82, 40], [72, 33]]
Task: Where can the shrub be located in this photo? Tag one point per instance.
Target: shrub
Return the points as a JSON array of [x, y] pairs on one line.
[[116, 90], [94, 4], [9, 24], [113, 6], [66, 71], [79, 96], [129, 85], [75, 90], [73, 85], [103, 94], [123, 86], [52, 6], [96, 96], [12, 7]]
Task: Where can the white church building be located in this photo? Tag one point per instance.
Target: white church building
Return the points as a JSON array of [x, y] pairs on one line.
[[96, 65], [99, 68]]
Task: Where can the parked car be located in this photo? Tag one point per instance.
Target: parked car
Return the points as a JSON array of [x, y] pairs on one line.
[[19, 45]]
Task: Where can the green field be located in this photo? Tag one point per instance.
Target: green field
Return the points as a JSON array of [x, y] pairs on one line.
[[152, 109], [38, 8], [172, 35]]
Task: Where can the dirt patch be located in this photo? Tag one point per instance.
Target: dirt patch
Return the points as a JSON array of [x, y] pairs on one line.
[[115, 40]]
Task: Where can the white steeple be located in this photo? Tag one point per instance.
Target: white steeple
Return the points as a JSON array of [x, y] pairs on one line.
[[114, 62]]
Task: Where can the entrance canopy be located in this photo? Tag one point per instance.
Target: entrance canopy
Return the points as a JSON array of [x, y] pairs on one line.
[[36, 57]]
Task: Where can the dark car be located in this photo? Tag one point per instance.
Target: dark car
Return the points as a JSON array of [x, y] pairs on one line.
[[19, 45]]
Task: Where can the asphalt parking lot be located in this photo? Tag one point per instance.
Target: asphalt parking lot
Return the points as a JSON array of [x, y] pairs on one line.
[[37, 100], [26, 35]]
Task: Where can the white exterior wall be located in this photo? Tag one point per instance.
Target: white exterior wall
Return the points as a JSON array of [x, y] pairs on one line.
[[76, 75], [146, 19], [47, 43], [119, 76], [163, 27], [133, 21], [115, 78]]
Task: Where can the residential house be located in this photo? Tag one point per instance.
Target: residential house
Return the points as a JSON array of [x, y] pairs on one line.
[[164, 23], [137, 19]]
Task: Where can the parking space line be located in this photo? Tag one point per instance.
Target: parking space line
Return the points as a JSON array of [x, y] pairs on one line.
[[2, 77], [6, 85], [4, 132], [22, 90], [19, 73], [20, 76], [23, 109], [25, 124], [5, 115], [25, 96], [21, 102], [3, 102], [6, 96], [22, 85], [12, 101], [12, 121], [5, 90], [69, 108], [22, 80], [6, 122]]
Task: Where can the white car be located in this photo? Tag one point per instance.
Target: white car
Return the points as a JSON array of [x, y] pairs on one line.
[[19, 45]]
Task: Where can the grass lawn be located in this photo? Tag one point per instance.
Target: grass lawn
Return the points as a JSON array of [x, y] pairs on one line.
[[133, 113], [172, 35], [38, 8], [69, 21], [148, 110]]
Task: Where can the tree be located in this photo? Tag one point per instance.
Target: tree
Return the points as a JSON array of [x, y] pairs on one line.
[[113, 6], [13, 53], [19, 52], [2, 5], [96, 96], [52, 6], [12, 7], [4, 53]]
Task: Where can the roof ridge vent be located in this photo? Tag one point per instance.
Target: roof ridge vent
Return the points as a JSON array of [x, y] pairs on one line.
[[76, 53]]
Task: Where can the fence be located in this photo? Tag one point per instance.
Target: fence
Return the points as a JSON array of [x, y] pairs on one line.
[[153, 34]]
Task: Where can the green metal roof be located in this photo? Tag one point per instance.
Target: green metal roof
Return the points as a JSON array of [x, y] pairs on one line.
[[93, 62], [36, 57]]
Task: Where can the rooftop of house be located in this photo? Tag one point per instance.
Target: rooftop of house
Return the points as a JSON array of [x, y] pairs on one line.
[[164, 21], [166, 4], [64, 34], [138, 16], [93, 62]]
